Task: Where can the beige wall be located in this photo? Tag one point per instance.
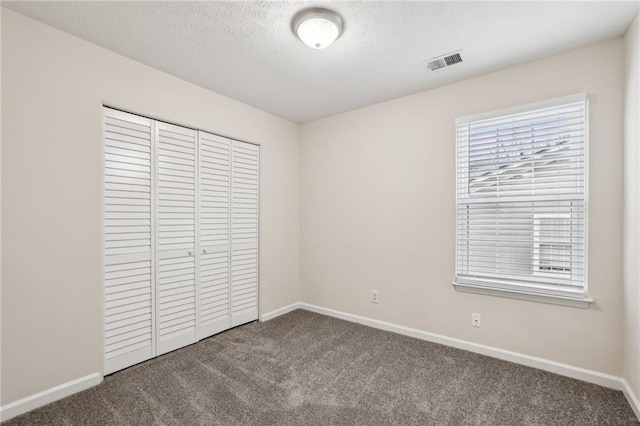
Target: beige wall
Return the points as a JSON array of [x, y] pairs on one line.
[[631, 292], [53, 89], [377, 205], [0, 211]]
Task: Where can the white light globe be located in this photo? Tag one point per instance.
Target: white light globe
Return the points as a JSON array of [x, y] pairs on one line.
[[317, 28], [318, 33]]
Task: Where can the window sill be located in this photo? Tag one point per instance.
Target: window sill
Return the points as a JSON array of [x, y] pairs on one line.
[[573, 302]]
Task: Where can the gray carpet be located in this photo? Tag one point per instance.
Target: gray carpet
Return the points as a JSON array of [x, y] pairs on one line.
[[308, 369]]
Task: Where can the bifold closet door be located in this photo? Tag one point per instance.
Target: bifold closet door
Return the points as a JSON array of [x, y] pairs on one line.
[[181, 236], [245, 160], [215, 227], [176, 290], [128, 249]]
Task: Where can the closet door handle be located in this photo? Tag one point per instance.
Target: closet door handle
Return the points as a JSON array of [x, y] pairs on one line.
[[204, 251], [190, 253]]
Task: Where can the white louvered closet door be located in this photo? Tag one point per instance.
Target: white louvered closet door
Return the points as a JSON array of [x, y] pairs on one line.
[[215, 227], [245, 159], [128, 281], [176, 292]]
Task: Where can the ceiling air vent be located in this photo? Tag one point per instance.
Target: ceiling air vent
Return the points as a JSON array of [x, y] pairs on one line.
[[444, 61]]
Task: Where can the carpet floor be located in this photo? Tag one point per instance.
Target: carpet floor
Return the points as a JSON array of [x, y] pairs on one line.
[[308, 369]]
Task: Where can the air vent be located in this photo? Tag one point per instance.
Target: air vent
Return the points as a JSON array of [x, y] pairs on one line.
[[444, 61]]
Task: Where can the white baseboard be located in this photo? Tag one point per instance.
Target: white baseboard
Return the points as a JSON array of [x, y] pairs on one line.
[[567, 370], [58, 392], [45, 397], [632, 398], [590, 376], [278, 312]]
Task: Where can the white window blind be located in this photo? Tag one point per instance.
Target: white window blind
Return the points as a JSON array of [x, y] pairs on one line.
[[521, 199]]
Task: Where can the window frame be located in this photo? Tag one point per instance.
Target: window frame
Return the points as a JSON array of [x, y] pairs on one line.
[[502, 288]]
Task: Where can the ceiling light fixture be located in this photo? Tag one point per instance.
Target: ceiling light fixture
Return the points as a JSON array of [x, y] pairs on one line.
[[317, 28]]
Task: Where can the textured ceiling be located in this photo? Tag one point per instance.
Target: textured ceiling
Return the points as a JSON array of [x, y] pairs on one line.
[[246, 50]]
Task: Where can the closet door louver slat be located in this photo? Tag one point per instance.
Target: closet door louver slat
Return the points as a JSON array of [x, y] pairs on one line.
[[128, 281], [245, 159], [214, 207], [175, 237]]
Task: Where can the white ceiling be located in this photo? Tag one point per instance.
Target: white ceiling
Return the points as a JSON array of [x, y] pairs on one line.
[[246, 50]]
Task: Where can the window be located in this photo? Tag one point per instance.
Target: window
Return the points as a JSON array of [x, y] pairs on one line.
[[521, 202]]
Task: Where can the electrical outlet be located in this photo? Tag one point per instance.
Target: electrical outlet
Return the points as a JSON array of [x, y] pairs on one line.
[[476, 320], [374, 296]]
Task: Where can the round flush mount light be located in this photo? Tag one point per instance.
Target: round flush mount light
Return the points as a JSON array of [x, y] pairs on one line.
[[317, 28]]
